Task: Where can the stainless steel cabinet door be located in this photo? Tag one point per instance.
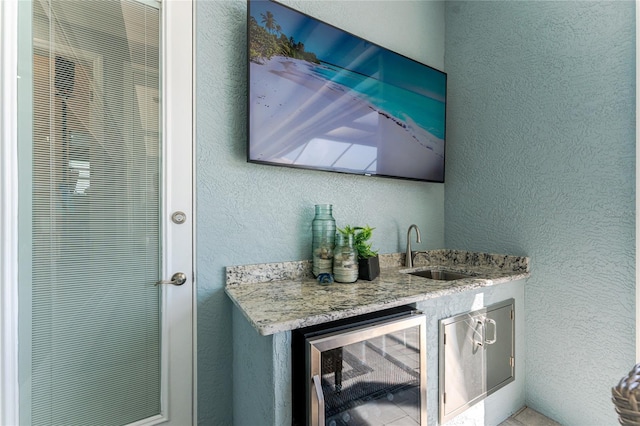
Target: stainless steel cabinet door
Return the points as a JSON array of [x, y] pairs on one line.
[[500, 359], [476, 356]]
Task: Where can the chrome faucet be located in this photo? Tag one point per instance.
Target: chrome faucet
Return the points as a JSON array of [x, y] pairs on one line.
[[408, 261]]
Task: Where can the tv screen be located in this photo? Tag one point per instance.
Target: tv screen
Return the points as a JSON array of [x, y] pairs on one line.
[[322, 98]]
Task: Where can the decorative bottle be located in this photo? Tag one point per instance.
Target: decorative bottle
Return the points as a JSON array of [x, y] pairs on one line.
[[345, 259], [323, 228]]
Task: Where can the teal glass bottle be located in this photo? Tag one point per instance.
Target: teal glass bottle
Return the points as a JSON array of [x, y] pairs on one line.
[[323, 228]]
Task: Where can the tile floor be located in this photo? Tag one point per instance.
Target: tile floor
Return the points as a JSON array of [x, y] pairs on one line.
[[528, 417]]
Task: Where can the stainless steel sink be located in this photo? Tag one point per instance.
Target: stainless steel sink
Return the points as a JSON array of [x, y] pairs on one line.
[[440, 275]]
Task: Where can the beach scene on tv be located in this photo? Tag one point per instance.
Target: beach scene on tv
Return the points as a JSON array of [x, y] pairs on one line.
[[322, 98]]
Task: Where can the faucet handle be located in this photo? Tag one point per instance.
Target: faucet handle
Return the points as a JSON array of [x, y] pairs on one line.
[[408, 259]]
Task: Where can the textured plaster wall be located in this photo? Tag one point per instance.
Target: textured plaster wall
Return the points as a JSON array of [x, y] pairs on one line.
[[540, 162], [249, 213]]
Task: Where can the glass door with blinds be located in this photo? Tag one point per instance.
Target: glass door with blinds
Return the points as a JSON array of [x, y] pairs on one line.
[[93, 324]]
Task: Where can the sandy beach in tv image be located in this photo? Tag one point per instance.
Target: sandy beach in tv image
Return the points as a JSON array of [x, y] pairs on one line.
[[302, 114]]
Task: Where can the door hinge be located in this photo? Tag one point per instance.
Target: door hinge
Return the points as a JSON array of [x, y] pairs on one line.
[[444, 339], [512, 361], [512, 314], [444, 398]]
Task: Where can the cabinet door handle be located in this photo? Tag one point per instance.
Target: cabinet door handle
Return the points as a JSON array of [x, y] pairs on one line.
[[495, 332], [317, 385], [482, 333]]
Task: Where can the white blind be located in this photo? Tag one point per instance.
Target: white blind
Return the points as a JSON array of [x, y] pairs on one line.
[[95, 221]]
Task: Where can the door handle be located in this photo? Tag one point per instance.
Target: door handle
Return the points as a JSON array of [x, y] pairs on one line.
[[178, 278], [483, 333], [320, 395], [495, 332]]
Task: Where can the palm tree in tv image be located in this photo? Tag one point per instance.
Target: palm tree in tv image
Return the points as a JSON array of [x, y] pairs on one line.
[[268, 40], [270, 22]]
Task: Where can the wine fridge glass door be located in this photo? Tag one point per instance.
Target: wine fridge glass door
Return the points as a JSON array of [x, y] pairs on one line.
[[369, 375]]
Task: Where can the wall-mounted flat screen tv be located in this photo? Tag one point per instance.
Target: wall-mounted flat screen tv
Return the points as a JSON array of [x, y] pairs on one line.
[[322, 98]]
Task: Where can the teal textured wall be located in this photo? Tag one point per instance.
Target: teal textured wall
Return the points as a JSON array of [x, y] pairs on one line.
[[248, 213], [540, 162]]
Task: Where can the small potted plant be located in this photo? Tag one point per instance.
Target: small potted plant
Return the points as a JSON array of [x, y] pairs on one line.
[[368, 261]]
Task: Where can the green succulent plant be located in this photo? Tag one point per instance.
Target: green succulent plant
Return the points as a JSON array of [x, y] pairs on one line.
[[361, 234]]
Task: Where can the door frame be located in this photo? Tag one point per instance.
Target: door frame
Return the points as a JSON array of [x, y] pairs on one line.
[[9, 403], [178, 127], [177, 48]]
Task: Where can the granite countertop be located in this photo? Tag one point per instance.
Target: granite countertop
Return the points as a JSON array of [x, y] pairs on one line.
[[284, 296]]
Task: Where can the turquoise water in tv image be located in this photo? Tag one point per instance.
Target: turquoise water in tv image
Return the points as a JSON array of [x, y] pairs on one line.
[[396, 101]]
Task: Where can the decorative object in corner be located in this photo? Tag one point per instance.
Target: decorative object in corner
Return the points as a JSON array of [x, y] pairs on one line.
[[323, 228], [626, 397], [368, 261]]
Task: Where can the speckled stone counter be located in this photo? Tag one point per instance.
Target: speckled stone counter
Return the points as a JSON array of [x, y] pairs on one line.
[[284, 296]]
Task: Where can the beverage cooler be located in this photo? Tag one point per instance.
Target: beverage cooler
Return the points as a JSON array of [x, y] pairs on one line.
[[368, 370]]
